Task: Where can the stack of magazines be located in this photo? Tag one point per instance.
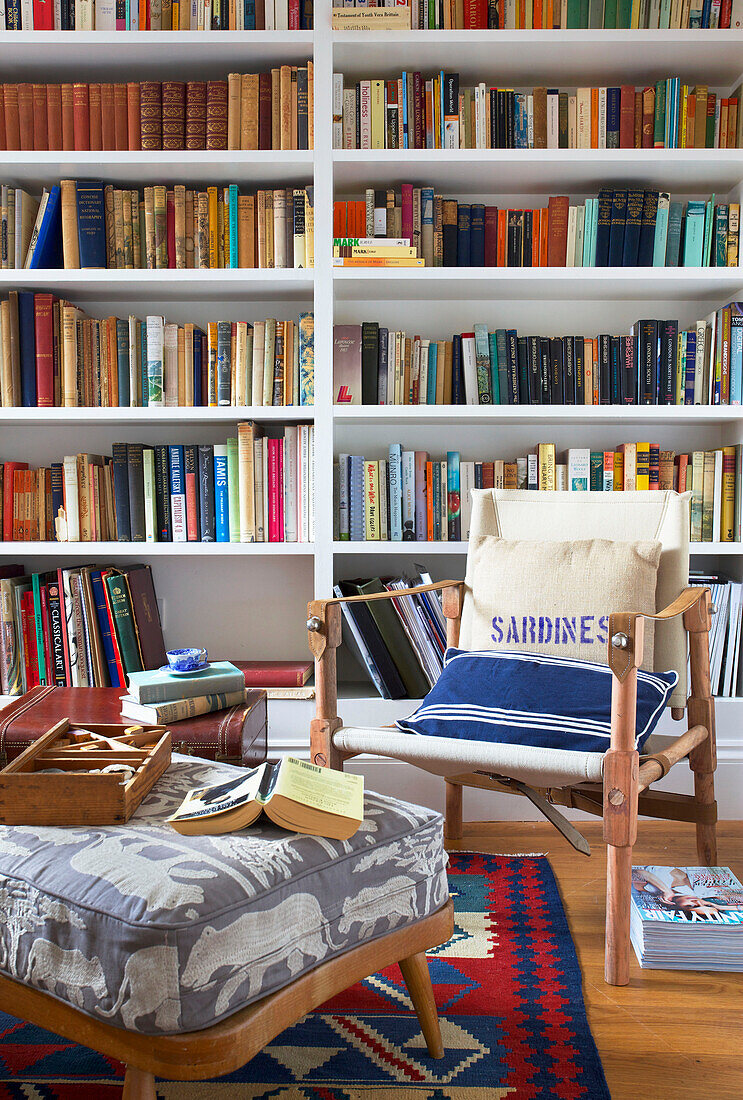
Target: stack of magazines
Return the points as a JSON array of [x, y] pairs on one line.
[[724, 635], [687, 918]]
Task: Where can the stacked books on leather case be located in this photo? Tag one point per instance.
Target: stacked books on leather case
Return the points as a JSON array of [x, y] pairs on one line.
[[80, 626], [160, 696], [400, 642], [687, 918], [279, 679]]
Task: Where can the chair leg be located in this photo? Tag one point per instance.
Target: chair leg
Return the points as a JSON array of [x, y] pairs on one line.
[[138, 1085], [453, 815], [618, 903], [704, 796], [418, 980]]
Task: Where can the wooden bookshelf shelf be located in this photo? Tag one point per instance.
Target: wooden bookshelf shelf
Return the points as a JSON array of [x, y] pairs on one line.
[[113, 550]]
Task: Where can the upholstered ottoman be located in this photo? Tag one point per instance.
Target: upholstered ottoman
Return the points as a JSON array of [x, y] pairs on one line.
[[137, 931]]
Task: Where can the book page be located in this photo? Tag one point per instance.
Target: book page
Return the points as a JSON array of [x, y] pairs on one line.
[[322, 788], [207, 801]]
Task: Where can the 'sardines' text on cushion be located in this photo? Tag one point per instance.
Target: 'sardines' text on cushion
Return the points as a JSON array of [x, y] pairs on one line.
[[160, 933], [530, 699]]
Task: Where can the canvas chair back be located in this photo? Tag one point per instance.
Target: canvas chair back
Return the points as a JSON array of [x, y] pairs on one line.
[[621, 517]]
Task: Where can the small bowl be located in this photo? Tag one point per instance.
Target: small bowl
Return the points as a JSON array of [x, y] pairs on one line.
[[186, 660]]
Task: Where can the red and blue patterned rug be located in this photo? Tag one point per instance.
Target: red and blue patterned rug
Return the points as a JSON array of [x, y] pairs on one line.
[[508, 987]]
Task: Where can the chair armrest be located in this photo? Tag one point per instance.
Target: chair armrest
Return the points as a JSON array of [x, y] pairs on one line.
[[626, 629], [316, 605]]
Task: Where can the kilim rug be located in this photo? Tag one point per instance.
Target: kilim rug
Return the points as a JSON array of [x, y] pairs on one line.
[[508, 989]]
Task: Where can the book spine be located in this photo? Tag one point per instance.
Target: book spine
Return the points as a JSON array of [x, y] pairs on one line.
[[177, 493], [221, 493]]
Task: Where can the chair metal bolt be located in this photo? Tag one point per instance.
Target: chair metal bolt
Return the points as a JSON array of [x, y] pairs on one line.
[[619, 641], [314, 624], [616, 797], [713, 609]]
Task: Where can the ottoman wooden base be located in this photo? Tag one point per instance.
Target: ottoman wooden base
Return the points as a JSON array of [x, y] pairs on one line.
[[224, 1047]]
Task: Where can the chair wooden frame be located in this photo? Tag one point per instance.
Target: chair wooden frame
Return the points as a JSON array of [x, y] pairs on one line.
[[625, 791]]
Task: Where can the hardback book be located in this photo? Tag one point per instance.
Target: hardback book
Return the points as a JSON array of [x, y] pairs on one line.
[[266, 674], [161, 686], [177, 710], [293, 794]]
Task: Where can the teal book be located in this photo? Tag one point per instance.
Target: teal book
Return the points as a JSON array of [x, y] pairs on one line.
[[694, 234], [158, 686], [91, 230], [306, 359], [675, 221], [232, 211], [573, 20], [709, 216], [661, 231], [453, 498], [597, 471], [587, 231], [494, 376], [122, 361], [721, 236], [482, 363], [624, 15], [500, 335], [36, 589], [433, 354]]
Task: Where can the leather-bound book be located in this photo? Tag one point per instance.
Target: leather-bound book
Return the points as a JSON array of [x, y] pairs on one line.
[[41, 133], [265, 140], [150, 112], [70, 247], [540, 118], [173, 114], [233, 111], [285, 106], [121, 121], [648, 117], [44, 344], [627, 116], [557, 230], [54, 116], [449, 232], [134, 131], [108, 131], [216, 114], [81, 116], [237, 735], [249, 89], [26, 115], [196, 114], [12, 120], [2, 118], [68, 117], [95, 107], [267, 674]]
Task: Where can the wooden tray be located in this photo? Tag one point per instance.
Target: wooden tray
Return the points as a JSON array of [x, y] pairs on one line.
[[77, 795]]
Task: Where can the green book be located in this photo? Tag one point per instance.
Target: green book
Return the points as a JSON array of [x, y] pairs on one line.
[[124, 625], [624, 15], [482, 362], [610, 15], [36, 589], [395, 639], [597, 472], [494, 377], [233, 490], [659, 122]]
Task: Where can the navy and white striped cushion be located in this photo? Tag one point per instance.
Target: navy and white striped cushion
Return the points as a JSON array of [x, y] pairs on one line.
[[531, 699]]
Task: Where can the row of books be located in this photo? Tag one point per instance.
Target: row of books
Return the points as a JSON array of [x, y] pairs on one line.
[[438, 112], [568, 14], [270, 110], [91, 224], [617, 228], [52, 355], [256, 487], [157, 15], [724, 635], [408, 496], [86, 626], [656, 363]]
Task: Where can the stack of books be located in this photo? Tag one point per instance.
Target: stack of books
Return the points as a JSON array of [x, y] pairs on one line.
[[159, 696], [162, 15], [375, 252], [92, 224], [687, 918], [59, 357], [724, 635], [620, 227], [413, 112], [400, 642], [85, 626], [407, 496], [270, 110]]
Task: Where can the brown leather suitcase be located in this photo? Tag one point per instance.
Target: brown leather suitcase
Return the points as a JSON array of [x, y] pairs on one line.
[[237, 735]]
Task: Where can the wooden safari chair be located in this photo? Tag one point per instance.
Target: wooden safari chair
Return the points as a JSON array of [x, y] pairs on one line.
[[616, 785]]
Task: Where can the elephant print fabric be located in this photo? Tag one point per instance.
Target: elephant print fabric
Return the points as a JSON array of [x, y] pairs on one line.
[[158, 933]]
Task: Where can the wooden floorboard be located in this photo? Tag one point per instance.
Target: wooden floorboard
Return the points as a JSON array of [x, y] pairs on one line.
[[667, 1035]]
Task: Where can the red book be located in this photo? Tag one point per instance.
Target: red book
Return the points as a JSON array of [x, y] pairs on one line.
[[557, 233], [192, 507], [280, 450], [12, 121], [68, 117], [9, 469], [150, 114], [265, 138], [80, 116], [2, 118], [108, 133], [44, 331], [627, 116], [54, 116], [726, 9], [173, 114], [274, 492], [28, 626], [41, 132], [121, 118], [407, 213], [43, 15], [262, 674], [94, 101], [134, 132], [293, 15], [170, 226], [26, 115], [501, 244]]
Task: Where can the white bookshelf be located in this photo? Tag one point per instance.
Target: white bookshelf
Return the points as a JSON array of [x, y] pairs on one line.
[[249, 601]]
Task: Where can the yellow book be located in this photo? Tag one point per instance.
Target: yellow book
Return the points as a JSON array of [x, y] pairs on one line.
[[546, 465], [309, 225], [377, 114], [294, 794], [371, 496], [682, 127], [213, 200], [727, 518], [388, 251], [380, 261], [635, 15], [211, 352], [618, 471], [642, 466]]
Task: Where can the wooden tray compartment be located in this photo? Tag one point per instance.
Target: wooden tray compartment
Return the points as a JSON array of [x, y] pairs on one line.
[[75, 795]]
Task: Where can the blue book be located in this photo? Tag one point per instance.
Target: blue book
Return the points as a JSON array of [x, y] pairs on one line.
[[221, 493], [232, 208], [394, 470], [357, 519], [177, 492], [405, 136], [736, 353], [27, 338], [613, 99], [494, 376], [12, 15], [633, 224], [675, 221], [463, 235], [119, 463], [104, 627], [694, 233], [453, 504], [647, 229], [157, 686], [47, 251], [433, 352], [91, 223], [616, 231], [122, 361], [661, 231], [249, 14], [477, 234], [603, 226]]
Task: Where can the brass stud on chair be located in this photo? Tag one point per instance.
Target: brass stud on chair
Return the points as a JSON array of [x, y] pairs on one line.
[[314, 624]]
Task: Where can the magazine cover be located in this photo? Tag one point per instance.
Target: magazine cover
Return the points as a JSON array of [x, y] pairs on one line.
[[672, 895]]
